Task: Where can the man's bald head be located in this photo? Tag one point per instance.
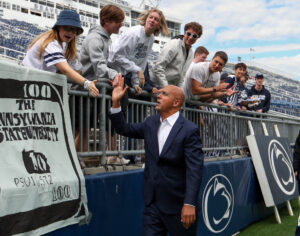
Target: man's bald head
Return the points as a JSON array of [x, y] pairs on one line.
[[169, 100], [177, 93]]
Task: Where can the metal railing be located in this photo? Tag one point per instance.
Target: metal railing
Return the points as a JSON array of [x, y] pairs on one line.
[[223, 131]]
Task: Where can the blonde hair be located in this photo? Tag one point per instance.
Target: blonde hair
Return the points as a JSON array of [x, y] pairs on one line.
[[48, 37], [163, 28]]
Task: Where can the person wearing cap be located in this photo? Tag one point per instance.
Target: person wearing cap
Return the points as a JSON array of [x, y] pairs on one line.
[[52, 50], [261, 94], [175, 58]]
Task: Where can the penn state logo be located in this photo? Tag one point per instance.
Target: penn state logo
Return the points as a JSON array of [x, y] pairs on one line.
[[217, 203], [281, 167]]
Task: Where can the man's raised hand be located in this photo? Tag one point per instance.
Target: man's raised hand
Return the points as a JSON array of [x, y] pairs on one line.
[[118, 92]]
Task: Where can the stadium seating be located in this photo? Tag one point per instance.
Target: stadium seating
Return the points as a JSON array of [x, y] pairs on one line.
[[16, 36]]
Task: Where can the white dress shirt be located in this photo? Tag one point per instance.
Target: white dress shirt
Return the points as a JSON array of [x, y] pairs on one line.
[[165, 128]]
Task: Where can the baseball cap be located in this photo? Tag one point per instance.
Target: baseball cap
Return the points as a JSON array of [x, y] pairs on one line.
[[259, 76]]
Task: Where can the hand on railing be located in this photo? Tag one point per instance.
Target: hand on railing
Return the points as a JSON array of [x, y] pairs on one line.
[[91, 86], [137, 89]]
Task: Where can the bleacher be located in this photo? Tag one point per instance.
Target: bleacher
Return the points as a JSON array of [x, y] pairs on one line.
[[17, 35], [285, 92]]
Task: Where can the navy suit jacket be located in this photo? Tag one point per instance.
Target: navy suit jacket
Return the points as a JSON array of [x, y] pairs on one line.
[[172, 178]]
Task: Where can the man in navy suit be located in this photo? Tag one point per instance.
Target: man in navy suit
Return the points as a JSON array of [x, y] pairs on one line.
[[174, 162]]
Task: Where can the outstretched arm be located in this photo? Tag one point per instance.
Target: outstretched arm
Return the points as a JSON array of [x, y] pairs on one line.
[[65, 69], [135, 130]]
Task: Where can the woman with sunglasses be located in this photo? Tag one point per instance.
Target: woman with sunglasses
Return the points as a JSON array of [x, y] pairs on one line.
[[53, 50], [175, 58]]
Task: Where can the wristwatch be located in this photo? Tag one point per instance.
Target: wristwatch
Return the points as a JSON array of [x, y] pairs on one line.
[[214, 89]]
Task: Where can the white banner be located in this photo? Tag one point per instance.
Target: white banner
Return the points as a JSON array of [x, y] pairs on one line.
[[42, 187]]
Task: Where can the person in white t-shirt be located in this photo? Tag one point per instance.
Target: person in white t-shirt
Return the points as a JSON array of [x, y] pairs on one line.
[[52, 50], [202, 81], [130, 51], [200, 55]]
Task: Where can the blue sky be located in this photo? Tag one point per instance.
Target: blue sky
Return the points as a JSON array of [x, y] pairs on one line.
[[271, 28]]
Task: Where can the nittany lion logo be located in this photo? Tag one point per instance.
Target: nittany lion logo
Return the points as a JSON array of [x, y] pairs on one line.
[[217, 203], [281, 167]]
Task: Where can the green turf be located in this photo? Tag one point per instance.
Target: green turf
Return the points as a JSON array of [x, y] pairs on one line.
[[269, 226]]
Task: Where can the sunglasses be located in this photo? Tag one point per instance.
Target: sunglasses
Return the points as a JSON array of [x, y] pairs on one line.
[[189, 34], [71, 29]]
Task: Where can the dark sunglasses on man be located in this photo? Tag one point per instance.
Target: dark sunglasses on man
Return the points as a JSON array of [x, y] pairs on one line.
[[189, 34]]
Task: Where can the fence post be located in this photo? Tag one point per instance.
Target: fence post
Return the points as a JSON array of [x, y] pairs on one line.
[[102, 126]]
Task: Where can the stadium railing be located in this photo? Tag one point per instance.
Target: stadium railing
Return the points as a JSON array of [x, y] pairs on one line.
[[223, 132]]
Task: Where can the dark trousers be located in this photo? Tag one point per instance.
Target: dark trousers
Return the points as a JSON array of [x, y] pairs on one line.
[[156, 223]]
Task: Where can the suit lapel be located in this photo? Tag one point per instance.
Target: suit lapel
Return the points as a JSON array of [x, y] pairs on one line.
[[173, 133], [154, 147]]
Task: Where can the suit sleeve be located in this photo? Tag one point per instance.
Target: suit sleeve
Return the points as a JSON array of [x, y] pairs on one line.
[[135, 130], [296, 156], [194, 166]]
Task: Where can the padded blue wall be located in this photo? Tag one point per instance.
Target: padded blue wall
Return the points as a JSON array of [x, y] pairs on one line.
[[115, 200]]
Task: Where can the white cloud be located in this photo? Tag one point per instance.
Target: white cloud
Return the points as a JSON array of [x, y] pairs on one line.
[[239, 20], [263, 49], [283, 65]]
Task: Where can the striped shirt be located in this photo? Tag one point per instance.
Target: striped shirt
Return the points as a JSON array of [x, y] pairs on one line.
[[52, 55]]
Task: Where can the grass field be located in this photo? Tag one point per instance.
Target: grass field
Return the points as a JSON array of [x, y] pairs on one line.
[[269, 226]]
